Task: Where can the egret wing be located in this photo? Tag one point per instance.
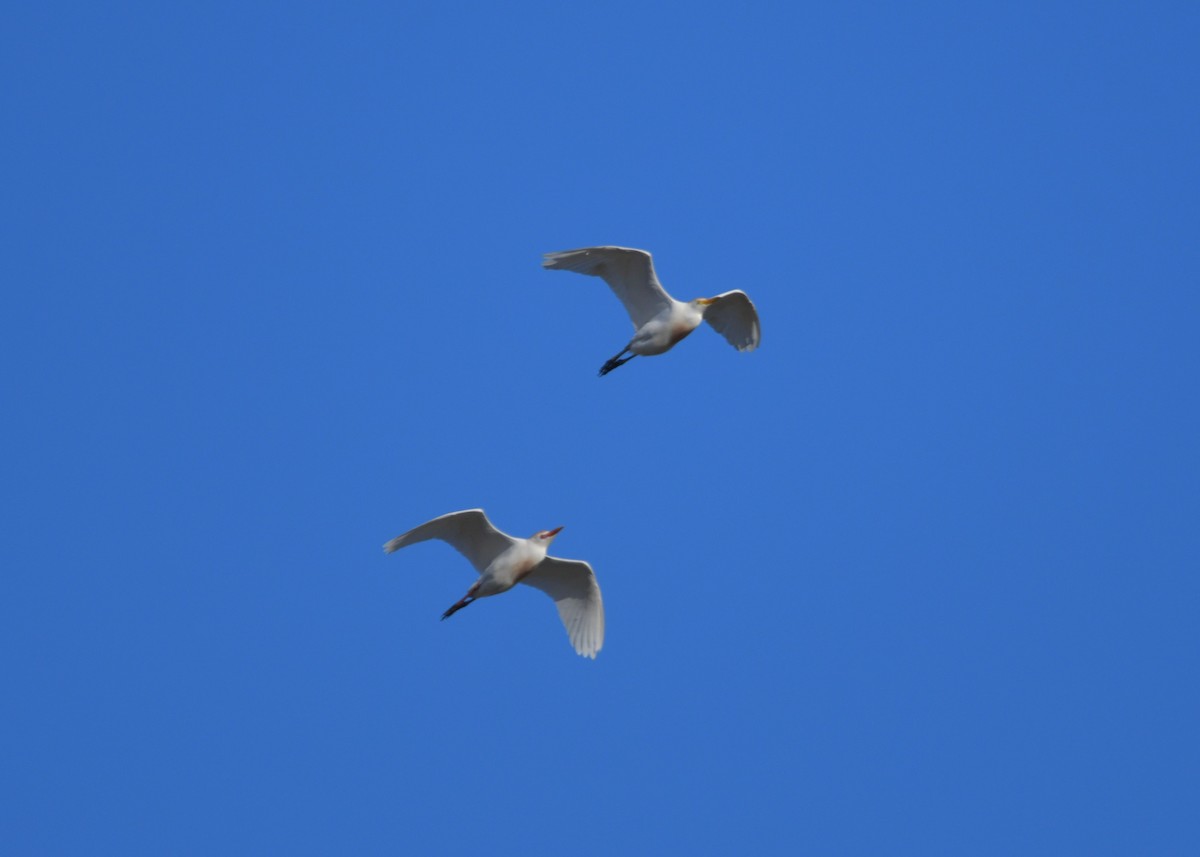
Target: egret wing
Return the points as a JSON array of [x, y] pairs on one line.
[[733, 315], [469, 532], [572, 584], [629, 273]]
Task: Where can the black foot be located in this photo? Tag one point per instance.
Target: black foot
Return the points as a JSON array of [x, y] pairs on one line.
[[456, 607], [614, 363]]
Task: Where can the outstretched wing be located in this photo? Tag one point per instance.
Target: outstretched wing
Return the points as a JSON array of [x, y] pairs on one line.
[[733, 316], [572, 584], [629, 273], [469, 532]]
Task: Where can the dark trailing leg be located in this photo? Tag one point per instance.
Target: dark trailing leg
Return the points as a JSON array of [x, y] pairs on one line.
[[614, 362], [460, 604]]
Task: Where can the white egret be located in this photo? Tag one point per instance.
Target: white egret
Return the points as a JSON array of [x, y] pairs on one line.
[[503, 561], [659, 319]]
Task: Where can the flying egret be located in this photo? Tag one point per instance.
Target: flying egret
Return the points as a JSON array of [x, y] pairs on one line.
[[660, 320], [503, 561]]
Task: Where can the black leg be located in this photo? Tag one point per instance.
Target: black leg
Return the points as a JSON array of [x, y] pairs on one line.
[[614, 362], [457, 606]]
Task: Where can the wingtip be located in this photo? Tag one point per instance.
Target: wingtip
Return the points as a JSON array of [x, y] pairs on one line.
[[588, 649]]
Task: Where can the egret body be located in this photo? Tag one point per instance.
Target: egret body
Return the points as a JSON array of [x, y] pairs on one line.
[[503, 561], [659, 320]]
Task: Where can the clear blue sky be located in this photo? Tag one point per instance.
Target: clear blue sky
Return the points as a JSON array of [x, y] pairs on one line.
[[919, 576]]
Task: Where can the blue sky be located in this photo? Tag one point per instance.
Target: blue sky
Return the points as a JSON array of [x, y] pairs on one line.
[[916, 577]]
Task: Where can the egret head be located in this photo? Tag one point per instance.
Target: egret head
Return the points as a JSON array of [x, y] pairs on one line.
[[546, 536], [703, 303]]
